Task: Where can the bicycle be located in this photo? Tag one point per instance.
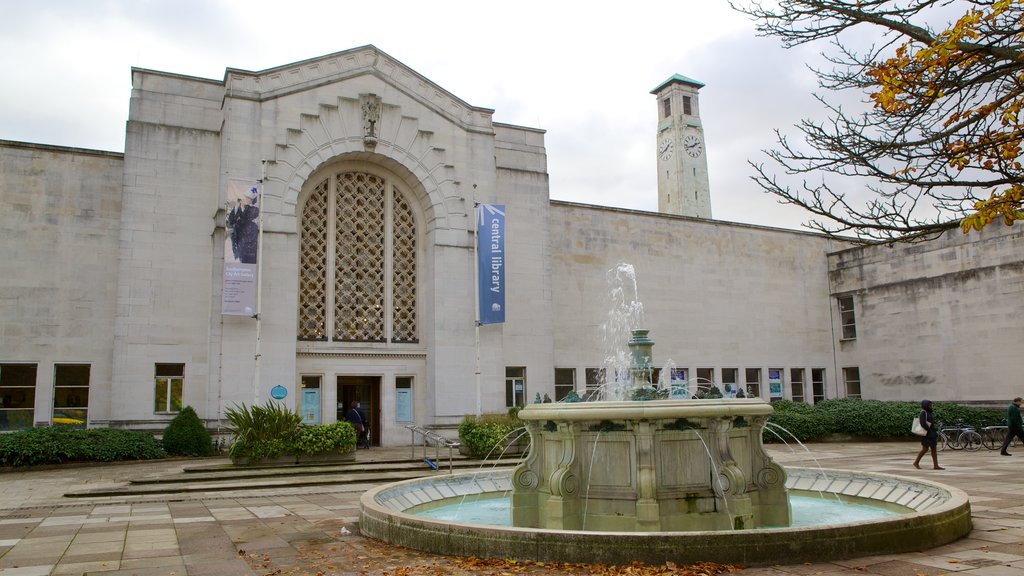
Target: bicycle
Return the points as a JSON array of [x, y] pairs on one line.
[[993, 436], [959, 437]]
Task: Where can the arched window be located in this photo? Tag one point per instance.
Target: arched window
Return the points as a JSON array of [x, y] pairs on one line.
[[357, 263]]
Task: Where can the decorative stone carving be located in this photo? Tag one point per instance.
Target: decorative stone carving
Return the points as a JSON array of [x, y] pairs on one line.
[[370, 104]]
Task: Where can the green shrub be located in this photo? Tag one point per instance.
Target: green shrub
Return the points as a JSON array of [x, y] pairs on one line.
[[485, 436], [273, 430], [337, 437], [60, 444], [796, 420], [187, 436], [262, 431], [866, 418], [870, 418], [952, 414]]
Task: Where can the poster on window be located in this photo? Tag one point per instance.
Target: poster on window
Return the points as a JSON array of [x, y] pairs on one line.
[[678, 382], [775, 384], [311, 406], [241, 247]]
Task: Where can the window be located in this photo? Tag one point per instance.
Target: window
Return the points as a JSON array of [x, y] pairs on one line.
[[666, 107], [357, 279], [17, 396], [656, 377], [729, 376], [565, 382], [595, 380], [852, 378], [818, 384], [796, 383], [70, 395], [752, 377], [515, 386], [705, 377], [846, 317], [403, 399], [687, 105], [169, 382]]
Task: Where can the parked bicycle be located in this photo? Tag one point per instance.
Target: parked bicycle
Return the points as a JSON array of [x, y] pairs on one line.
[[959, 437], [993, 436]]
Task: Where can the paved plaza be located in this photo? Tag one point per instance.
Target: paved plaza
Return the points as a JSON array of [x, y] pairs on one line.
[[315, 530]]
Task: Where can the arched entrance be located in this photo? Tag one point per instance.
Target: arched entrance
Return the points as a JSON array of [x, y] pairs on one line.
[[361, 253]]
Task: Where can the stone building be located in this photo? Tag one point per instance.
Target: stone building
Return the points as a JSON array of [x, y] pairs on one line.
[[114, 266]]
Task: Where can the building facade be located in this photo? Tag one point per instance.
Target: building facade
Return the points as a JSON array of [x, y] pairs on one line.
[[112, 276]]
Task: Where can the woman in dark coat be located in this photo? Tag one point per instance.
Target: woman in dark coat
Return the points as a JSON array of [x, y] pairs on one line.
[[929, 440]]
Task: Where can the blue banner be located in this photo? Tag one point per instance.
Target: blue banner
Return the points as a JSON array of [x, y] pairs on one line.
[[490, 238]]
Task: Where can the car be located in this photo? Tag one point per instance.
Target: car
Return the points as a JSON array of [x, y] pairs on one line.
[[66, 419]]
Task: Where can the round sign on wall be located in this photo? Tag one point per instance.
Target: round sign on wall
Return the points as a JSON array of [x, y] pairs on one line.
[[278, 392]]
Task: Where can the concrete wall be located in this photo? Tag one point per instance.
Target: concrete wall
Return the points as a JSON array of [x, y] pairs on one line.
[[938, 319], [714, 294], [171, 183], [58, 264]]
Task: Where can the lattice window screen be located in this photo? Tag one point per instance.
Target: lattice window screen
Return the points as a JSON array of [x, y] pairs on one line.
[[359, 259], [313, 267], [403, 271]]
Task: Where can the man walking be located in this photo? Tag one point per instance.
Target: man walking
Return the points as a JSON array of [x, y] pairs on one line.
[[1015, 427]]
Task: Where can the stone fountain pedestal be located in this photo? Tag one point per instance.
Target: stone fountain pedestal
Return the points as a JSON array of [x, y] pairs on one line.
[[648, 466]]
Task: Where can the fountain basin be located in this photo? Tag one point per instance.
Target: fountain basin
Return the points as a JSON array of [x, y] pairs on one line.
[[937, 514]]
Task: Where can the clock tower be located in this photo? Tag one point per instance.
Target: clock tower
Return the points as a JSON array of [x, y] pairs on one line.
[[682, 161]]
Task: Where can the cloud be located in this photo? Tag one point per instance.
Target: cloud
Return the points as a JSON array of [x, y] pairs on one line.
[[584, 76]]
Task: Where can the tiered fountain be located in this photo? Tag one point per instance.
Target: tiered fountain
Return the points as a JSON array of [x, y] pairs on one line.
[[648, 466]]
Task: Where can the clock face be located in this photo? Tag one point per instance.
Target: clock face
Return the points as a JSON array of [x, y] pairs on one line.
[[693, 146], [665, 149]]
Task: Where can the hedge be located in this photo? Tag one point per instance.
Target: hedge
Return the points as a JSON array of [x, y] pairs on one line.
[[59, 444]]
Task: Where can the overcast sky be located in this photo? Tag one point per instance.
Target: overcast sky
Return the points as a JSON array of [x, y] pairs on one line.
[[582, 73]]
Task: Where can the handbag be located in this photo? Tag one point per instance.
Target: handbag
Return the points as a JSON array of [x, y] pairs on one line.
[[916, 427]]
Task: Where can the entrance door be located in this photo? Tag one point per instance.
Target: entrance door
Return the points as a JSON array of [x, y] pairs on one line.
[[365, 390]]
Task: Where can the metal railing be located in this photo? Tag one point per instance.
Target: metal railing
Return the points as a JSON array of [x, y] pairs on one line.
[[430, 437]]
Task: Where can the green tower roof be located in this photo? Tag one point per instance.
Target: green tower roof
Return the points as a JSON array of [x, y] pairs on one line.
[[678, 78]]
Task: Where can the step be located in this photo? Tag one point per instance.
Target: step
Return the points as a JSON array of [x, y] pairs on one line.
[[226, 478]]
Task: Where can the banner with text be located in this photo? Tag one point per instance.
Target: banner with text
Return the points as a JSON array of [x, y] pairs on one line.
[[490, 238], [241, 245]]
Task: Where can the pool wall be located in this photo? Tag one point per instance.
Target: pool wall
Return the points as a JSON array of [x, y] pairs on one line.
[[940, 514]]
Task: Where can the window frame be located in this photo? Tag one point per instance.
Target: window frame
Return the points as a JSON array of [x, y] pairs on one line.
[[169, 380], [817, 383], [796, 383], [80, 411], [847, 318], [851, 381], [757, 381], [8, 392], [514, 374], [562, 389], [730, 376]]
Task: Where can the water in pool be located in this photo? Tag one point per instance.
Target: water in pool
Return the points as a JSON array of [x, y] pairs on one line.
[[806, 511]]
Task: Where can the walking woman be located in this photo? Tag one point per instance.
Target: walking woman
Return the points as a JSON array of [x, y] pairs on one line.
[[929, 440]]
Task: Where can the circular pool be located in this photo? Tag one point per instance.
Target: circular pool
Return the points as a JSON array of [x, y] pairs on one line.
[[929, 515]]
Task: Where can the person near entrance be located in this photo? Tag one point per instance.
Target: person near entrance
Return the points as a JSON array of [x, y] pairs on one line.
[[1014, 425], [357, 418]]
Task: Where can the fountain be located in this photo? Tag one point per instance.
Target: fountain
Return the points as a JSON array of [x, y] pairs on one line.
[[648, 466], [652, 478]]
